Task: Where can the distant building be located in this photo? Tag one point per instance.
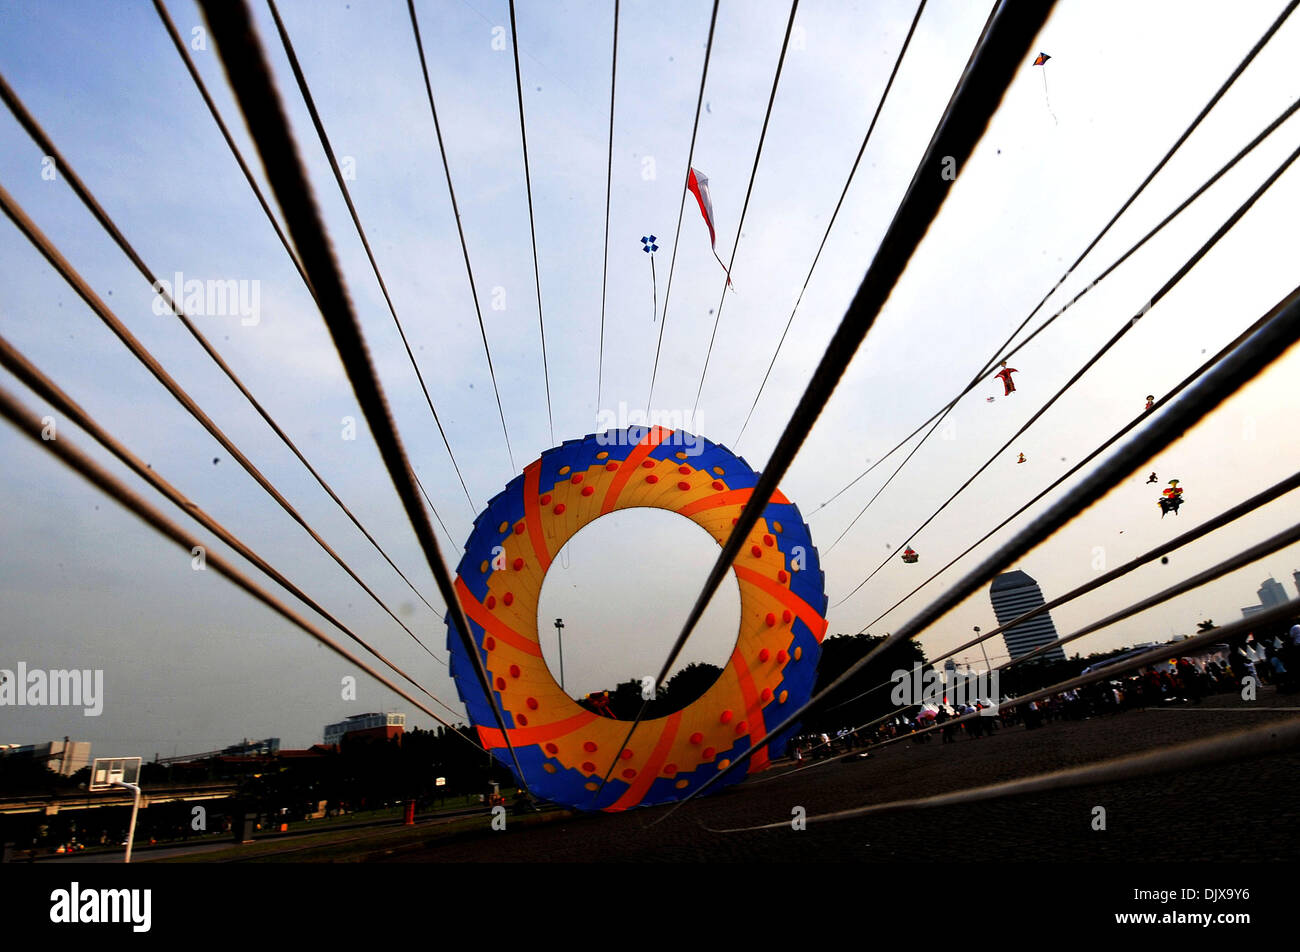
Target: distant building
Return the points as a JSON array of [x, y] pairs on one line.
[[1271, 592], [65, 757], [369, 726], [1013, 594], [253, 748]]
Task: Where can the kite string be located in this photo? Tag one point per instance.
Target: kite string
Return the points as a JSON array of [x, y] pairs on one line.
[[1186, 133], [1046, 97], [1242, 509], [1186, 382], [829, 225], [310, 102], [609, 174], [78, 283], [1204, 187], [744, 210], [794, 8], [1255, 553], [654, 292], [460, 231], [1128, 325], [38, 134], [30, 423], [22, 368], [1242, 366], [532, 225], [248, 72], [690, 157], [1225, 747], [975, 98]]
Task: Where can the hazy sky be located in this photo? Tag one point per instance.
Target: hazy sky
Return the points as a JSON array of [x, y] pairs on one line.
[[190, 663]]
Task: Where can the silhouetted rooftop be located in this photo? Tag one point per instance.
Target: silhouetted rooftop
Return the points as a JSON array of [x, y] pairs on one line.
[[1013, 579]]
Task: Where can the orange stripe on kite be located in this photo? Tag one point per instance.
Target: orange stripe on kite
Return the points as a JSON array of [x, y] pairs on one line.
[[811, 617], [753, 708], [634, 459], [523, 736], [533, 515], [731, 497], [493, 625], [649, 773]]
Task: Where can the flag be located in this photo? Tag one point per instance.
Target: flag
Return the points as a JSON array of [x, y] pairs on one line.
[[698, 183]]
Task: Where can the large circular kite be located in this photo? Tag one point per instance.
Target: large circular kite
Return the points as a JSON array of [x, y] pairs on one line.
[[564, 749]]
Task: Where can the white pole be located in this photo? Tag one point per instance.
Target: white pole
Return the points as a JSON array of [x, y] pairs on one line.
[[135, 809]]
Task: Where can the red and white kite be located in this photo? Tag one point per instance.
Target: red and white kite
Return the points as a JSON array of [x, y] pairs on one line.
[[698, 183]]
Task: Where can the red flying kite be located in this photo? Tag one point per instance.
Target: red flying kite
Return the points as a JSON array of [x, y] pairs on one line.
[[698, 183], [1005, 376]]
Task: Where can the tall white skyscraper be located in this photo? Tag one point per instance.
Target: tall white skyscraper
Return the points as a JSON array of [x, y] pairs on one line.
[[1013, 594]]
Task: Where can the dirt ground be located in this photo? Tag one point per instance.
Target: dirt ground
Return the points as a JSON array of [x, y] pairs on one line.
[[1247, 811]]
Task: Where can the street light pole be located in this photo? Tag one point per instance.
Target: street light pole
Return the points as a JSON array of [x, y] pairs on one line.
[[559, 633], [982, 651]]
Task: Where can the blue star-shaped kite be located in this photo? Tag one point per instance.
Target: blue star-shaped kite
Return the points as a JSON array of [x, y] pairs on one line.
[[649, 244]]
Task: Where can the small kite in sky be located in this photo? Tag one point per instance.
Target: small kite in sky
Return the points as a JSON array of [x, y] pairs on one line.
[[1041, 60], [909, 555], [1152, 477], [1170, 499], [649, 247], [1004, 375], [989, 400], [1151, 401], [1022, 458], [698, 183]]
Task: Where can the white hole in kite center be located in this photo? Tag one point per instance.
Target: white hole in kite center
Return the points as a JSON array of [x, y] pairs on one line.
[[633, 576]]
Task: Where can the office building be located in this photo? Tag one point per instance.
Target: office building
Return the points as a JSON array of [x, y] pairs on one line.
[[1013, 594], [368, 726]]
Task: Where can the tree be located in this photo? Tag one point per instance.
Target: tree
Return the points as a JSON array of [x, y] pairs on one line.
[[684, 688], [864, 697]]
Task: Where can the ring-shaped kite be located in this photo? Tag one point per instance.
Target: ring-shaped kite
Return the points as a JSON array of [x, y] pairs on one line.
[[564, 749]]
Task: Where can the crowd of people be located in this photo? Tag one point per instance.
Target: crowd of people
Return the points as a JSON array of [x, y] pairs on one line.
[[1241, 669]]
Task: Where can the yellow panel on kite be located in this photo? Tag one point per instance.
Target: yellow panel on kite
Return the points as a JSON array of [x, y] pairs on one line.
[[564, 749]]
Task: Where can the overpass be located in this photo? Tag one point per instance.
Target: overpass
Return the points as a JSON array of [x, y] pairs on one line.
[[50, 804]]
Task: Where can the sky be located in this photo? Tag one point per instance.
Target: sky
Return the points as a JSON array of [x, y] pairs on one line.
[[192, 664]]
